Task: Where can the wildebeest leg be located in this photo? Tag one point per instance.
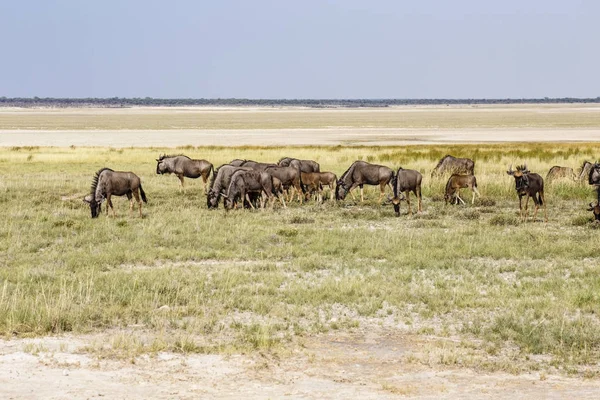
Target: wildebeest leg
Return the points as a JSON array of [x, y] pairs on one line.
[[137, 198], [180, 176], [418, 194], [521, 206], [362, 197], [130, 197], [109, 201], [526, 204], [407, 195], [247, 197], [458, 197]]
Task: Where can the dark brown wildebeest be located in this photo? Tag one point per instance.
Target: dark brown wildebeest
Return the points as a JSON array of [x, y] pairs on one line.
[[108, 183], [457, 182], [596, 210], [314, 182], [245, 182], [363, 173], [557, 172], [406, 181], [530, 185], [289, 177], [453, 165], [183, 166], [584, 170], [237, 162], [258, 166], [220, 182], [594, 178], [305, 166]]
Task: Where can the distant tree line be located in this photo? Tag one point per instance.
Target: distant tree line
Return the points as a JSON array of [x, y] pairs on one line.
[[148, 101]]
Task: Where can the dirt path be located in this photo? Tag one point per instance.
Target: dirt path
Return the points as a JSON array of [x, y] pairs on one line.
[[330, 367]]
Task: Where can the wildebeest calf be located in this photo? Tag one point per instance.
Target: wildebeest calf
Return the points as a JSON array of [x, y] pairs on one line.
[[457, 182], [596, 210]]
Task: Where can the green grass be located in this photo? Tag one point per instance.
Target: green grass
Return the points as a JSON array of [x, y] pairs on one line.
[[216, 281]]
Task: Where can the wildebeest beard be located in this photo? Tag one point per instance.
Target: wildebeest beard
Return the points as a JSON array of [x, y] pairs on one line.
[[522, 183]]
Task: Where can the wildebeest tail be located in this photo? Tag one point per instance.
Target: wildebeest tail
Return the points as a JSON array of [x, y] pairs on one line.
[[143, 194]]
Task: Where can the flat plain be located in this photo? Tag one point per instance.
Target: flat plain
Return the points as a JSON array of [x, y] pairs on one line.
[[330, 300]]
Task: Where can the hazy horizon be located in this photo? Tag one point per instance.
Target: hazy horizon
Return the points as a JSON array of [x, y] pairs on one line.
[[311, 49]]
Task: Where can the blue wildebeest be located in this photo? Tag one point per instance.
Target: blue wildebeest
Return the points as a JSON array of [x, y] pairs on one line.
[[406, 181], [596, 210], [314, 182], [584, 170], [594, 178], [530, 185], [363, 173], [453, 165], [290, 179], [305, 166], [557, 172], [245, 182], [220, 182], [108, 183], [183, 166], [457, 182]]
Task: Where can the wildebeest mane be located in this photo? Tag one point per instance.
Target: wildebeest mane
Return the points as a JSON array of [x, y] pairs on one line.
[[160, 158], [442, 161], [95, 181], [349, 171]]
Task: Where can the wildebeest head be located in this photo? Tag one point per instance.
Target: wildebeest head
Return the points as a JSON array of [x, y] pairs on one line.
[[95, 206], [594, 176], [212, 199], [596, 210], [521, 178], [161, 166], [340, 190]]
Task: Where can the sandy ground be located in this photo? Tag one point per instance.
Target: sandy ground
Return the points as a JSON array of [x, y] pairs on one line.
[[290, 137], [329, 367]]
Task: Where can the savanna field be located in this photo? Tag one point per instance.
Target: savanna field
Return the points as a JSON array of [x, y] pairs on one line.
[[488, 291]]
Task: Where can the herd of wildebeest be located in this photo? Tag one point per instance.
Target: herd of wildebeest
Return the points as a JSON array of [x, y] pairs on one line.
[[247, 183]]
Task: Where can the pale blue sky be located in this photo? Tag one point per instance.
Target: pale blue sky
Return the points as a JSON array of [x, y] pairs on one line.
[[300, 49]]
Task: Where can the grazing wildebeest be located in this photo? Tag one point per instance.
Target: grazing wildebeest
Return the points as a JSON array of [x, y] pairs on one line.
[[314, 182], [584, 170], [237, 162], [457, 182], [530, 185], [594, 177], [557, 172], [305, 166], [258, 166], [596, 210], [453, 165], [183, 166], [245, 182], [406, 181], [361, 173], [220, 182], [289, 177], [108, 183]]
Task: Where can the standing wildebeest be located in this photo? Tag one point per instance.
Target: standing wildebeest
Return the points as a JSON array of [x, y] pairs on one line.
[[315, 181], [361, 173], [406, 181], [530, 185], [245, 182], [305, 166], [220, 182], [289, 177], [557, 172], [594, 178], [258, 166], [457, 182], [453, 165], [596, 210], [108, 183], [237, 162], [183, 166], [584, 170]]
